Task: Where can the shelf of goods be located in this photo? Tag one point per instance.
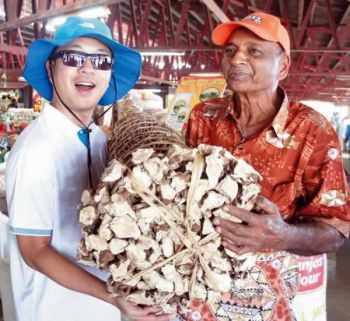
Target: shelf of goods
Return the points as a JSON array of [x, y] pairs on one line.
[[12, 122]]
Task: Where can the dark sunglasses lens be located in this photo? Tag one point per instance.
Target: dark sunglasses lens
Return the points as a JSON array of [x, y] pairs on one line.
[[73, 59], [104, 63]]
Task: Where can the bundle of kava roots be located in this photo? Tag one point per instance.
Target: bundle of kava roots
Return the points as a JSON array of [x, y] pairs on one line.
[[149, 222]]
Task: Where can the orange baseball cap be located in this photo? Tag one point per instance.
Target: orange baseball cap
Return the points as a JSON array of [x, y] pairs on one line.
[[264, 25]]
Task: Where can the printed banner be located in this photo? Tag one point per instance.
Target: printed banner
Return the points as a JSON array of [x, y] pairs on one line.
[[191, 91], [310, 301]]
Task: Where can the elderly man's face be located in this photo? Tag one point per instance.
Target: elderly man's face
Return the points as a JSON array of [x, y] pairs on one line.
[[251, 64]]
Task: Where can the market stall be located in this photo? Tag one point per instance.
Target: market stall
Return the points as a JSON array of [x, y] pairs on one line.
[[12, 122]]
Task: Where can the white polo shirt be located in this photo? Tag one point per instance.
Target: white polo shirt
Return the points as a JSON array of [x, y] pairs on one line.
[[45, 177]]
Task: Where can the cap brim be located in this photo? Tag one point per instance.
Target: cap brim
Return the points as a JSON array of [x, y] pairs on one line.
[[125, 73], [222, 33]]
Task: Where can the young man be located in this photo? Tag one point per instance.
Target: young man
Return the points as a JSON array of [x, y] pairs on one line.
[[53, 161], [304, 196]]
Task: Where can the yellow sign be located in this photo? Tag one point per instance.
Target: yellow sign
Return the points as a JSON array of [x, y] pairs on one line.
[[191, 91]]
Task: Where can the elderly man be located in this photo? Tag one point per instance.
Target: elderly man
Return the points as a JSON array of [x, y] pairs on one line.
[[304, 197]]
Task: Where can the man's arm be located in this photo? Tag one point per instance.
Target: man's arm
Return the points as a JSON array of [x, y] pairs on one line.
[[39, 255], [269, 232]]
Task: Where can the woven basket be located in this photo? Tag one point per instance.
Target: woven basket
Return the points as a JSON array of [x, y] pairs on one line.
[[133, 129]]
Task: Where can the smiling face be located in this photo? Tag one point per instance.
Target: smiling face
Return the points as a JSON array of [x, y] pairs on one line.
[[251, 64], [80, 88]]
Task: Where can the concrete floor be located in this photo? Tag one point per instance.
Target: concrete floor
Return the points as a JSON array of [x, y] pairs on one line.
[[338, 289]]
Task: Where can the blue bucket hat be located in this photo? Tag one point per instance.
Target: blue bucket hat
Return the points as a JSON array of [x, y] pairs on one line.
[[127, 62]]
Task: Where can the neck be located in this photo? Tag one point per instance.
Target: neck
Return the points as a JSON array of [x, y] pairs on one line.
[[257, 110], [85, 117]]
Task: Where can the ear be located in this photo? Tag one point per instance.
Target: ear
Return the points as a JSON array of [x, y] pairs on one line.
[[284, 66], [49, 65]]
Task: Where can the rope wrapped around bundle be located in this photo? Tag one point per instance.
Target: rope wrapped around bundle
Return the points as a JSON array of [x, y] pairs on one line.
[[149, 223]]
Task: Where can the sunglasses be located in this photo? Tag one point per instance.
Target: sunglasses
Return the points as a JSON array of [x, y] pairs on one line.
[[74, 58]]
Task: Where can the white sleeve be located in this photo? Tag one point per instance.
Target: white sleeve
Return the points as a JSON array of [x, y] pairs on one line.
[[30, 192]]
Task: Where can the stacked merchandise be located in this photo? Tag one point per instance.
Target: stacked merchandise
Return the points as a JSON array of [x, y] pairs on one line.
[[12, 122]]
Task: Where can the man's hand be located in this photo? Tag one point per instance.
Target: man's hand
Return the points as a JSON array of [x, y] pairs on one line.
[[137, 313], [267, 232], [38, 254], [263, 232]]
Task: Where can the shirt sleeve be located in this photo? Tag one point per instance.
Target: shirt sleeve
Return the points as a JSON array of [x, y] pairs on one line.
[[326, 188], [30, 191]]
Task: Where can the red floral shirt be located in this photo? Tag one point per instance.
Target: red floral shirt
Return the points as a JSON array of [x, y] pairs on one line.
[[298, 155], [300, 159]]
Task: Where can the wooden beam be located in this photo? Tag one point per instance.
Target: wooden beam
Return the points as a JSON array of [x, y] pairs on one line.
[[12, 13], [305, 23], [12, 74], [183, 19], [300, 12], [170, 20], [154, 79], [14, 85], [15, 50], [246, 7], [332, 25], [216, 10], [134, 23], [144, 27], [239, 4], [119, 22], [224, 6], [66, 9], [342, 22], [43, 4], [10, 10], [208, 48], [2, 54], [112, 17], [285, 13], [268, 4]]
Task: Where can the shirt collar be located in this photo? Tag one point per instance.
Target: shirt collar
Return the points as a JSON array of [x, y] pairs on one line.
[[60, 122], [279, 120]]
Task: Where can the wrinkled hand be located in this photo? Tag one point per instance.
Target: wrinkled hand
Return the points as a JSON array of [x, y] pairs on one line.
[[265, 232], [137, 313]]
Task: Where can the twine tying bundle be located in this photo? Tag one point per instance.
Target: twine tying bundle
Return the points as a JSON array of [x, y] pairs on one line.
[[192, 246]]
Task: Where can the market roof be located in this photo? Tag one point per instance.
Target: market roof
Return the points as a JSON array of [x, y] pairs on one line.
[[319, 30]]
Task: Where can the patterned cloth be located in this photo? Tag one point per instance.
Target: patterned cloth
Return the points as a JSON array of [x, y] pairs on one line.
[[299, 157]]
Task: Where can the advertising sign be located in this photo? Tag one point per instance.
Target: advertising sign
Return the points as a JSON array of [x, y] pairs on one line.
[[310, 301], [191, 91]]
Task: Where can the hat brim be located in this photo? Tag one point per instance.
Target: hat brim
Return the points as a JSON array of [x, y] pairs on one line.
[[222, 33], [125, 73]]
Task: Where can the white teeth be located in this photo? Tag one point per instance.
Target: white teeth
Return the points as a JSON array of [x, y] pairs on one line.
[[84, 84]]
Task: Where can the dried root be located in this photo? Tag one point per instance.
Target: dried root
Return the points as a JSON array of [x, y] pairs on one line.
[[150, 225]]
